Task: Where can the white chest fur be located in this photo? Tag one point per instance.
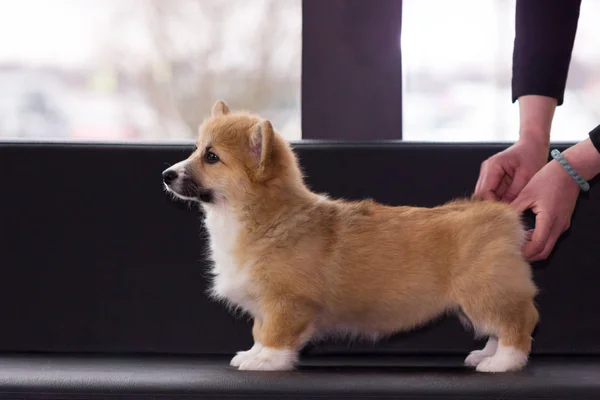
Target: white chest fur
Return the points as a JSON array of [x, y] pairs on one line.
[[231, 281]]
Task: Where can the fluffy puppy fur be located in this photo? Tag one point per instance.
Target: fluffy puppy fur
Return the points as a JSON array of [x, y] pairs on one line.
[[303, 265]]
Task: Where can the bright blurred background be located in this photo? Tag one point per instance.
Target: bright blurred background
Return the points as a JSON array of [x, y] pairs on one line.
[[149, 70], [457, 66], [145, 70]]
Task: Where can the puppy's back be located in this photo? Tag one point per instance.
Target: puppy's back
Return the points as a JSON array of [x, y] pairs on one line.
[[398, 266]]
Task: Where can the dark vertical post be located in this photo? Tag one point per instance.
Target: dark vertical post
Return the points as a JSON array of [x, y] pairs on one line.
[[351, 69]]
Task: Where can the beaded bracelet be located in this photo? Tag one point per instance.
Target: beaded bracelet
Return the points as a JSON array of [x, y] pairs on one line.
[[557, 155]]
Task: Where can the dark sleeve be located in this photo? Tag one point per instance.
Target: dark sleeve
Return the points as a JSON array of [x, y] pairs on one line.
[[544, 35], [595, 137]]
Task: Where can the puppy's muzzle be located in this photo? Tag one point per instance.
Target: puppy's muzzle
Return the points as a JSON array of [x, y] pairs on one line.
[[169, 176], [179, 182], [182, 185]]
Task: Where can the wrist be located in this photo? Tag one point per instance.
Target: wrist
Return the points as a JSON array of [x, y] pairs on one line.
[[584, 158], [564, 180], [537, 138]]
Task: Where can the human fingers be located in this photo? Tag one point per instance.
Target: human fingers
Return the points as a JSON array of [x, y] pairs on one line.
[[489, 180], [504, 184], [552, 239], [516, 186], [540, 236]]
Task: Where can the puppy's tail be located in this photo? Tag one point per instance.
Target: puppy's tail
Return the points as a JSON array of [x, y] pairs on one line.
[[527, 217], [477, 197]]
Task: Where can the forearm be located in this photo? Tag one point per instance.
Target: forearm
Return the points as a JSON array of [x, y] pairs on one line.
[[584, 158], [535, 119]]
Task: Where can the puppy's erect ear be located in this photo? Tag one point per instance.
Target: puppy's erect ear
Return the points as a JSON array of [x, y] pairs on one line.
[[219, 108], [261, 144]]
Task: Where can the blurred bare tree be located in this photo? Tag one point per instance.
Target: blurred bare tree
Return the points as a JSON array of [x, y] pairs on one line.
[[198, 51]]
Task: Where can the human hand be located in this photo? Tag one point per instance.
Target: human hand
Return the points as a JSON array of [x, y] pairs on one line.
[[504, 175], [551, 194]]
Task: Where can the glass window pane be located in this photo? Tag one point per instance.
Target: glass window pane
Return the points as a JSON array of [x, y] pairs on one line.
[[145, 70]]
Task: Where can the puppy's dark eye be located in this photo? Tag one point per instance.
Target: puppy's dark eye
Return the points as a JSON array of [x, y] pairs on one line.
[[211, 157]]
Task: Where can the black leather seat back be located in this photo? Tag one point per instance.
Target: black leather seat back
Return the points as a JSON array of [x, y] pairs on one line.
[[95, 257]]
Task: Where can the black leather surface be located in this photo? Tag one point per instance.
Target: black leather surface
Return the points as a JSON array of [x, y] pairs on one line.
[[79, 377], [96, 258]]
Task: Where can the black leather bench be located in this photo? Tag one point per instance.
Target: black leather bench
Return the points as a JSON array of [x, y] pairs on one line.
[[103, 285], [205, 377]]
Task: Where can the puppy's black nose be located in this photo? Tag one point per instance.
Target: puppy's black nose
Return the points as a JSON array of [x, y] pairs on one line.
[[169, 176]]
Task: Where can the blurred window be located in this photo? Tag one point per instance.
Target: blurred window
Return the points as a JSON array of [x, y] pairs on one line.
[[149, 70], [457, 66], [145, 70]]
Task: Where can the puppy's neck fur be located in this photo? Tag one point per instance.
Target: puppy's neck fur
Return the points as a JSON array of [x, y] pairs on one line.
[[272, 202], [266, 202]]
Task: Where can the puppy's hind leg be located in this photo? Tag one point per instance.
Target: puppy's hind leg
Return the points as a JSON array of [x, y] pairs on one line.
[[514, 344], [502, 307], [477, 356]]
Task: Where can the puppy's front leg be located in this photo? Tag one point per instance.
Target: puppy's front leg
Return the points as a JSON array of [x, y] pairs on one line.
[[286, 327], [242, 356]]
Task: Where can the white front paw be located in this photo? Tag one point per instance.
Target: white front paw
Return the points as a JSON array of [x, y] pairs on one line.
[[242, 356], [269, 359]]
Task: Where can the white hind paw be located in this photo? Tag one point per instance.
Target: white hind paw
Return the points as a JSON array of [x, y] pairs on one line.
[[506, 359], [477, 356]]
